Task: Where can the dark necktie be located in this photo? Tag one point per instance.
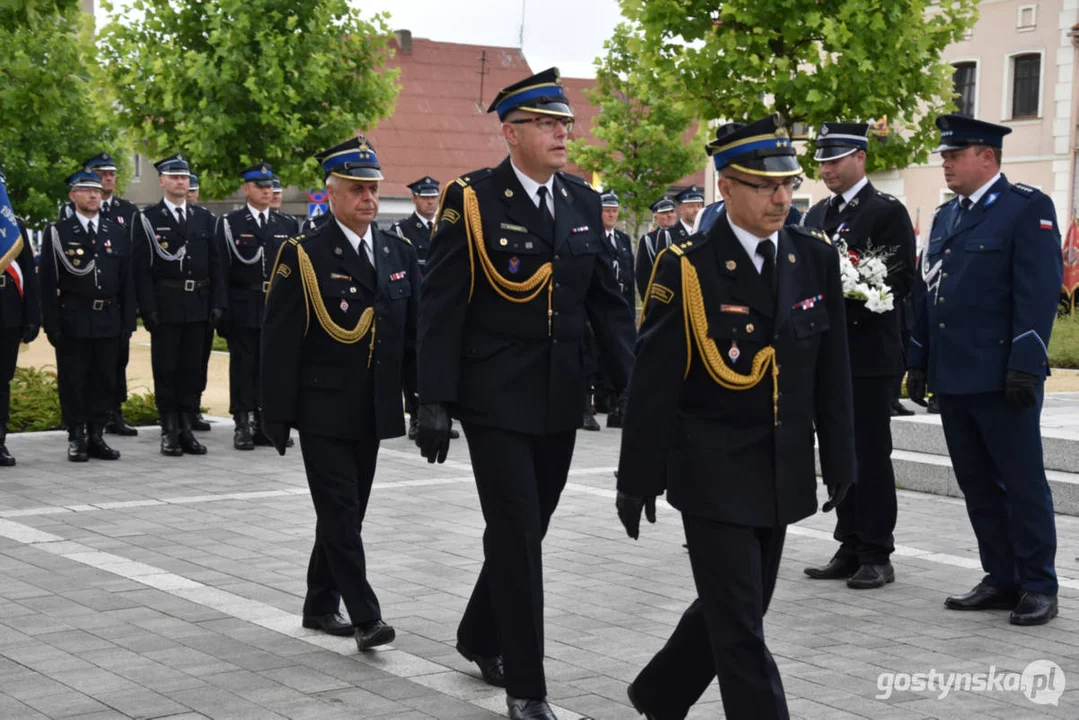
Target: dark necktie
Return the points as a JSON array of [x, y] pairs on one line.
[[262, 221], [105, 208], [91, 233], [545, 212], [180, 219], [961, 212], [767, 250], [833, 208]]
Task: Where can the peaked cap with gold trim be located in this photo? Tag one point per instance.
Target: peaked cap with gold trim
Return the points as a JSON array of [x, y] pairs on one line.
[[762, 147], [354, 159], [541, 93]]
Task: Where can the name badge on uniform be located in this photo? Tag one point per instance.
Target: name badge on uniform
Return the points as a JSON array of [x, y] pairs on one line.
[[339, 276], [736, 309]]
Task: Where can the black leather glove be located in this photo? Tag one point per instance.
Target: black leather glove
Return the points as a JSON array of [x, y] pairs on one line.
[[433, 432], [278, 434], [629, 512], [916, 386], [1021, 389], [152, 322], [215, 316], [29, 332], [56, 338], [836, 493]]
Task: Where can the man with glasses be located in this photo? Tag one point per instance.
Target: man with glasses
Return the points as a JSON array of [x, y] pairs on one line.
[[668, 232], [741, 357], [866, 221], [516, 267], [984, 307]]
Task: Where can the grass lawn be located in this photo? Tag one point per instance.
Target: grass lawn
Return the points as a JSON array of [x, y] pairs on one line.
[[1064, 344]]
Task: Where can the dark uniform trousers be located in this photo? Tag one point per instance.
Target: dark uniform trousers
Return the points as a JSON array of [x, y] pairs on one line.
[[343, 397], [512, 371], [176, 353], [865, 520], [9, 357], [16, 312], [86, 379], [739, 465]]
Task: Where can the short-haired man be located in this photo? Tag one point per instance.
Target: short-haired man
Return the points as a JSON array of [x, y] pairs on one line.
[[193, 188], [668, 232], [690, 202], [619, 246]]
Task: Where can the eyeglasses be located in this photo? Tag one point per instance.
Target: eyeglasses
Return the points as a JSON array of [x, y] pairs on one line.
[[791, 184], [546, 123]]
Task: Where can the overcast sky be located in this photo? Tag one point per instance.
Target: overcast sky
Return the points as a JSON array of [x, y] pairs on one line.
[[568, 34]]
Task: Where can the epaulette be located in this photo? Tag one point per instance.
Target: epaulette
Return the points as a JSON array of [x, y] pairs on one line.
[[474, 177], [809, 232], [575, 179], [691, 243], [396, 235], [886, 196], [1024, 190], [297, 240]]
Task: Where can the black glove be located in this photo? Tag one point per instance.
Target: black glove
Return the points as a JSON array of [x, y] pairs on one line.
[[56, 338], [836, 493], [433, 432], [222, 327], [29, 332], [152, 322], [916, 386], [629, 512], [278, 434], [215, 316], [1020, 389]]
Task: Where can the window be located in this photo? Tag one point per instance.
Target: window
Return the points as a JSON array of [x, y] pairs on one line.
[[965, 79], [802, 202], [1026, 83], [138, 165], [1026, 18]]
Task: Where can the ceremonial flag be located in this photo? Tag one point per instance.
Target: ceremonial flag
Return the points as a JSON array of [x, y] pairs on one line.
[[1071, 260], [10, 239]]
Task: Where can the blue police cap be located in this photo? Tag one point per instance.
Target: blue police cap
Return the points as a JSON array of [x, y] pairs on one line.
[[354, 159], [193, 181], [839, 139], [84, 179], [101, 161], [424, 187], [664, 204], [276, 180], [541, 93], [762, 147], [260, 174], [690, 194], [173, 165], [609, 199], [959, 131]]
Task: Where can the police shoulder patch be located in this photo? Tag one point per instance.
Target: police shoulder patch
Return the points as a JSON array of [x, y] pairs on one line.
[[1024, 190], [660, 292]]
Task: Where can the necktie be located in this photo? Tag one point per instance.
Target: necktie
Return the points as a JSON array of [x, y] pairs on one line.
[[961, 212], [262, 221], [105, 208], [180, 219], [545, 212], [767, 250], [91, 233], [833, 208]]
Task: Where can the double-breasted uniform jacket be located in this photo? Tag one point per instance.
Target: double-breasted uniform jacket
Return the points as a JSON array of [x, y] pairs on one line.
[[987, 291], [116, 209], [418, 233], [649, 246], [741, 456], [247, 254], [502, 323], [873, 220], [87, 289], [621, 255], [177, 271], [17, 311], [338, 338]]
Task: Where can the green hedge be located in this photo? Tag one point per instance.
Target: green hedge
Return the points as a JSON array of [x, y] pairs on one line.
[[1064, 345], [35, 402]]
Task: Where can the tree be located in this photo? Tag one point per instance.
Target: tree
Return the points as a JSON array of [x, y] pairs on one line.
[[52, 115], [21, 12], [232, 83], [810, 60], [643, 150]]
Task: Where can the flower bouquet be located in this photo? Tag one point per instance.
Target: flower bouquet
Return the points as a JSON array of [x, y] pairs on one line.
[[865, 275]]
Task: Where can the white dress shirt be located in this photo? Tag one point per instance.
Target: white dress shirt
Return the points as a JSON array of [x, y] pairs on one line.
[[532, 187], [977, 194], [255, 214], [851, 192], [356, 241], [85, 221], [173, 208], [750, 241]]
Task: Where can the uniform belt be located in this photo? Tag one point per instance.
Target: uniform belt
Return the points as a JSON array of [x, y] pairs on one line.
[[92, 303], [261, 287], [185, 285]]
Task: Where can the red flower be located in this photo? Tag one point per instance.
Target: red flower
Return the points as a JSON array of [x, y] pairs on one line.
[[855, 258]]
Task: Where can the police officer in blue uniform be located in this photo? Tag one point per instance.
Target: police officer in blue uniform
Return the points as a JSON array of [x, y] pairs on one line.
[[867, 221], [668, 232], [690, 202], [741, 360], [88, 306], [180, 292], [338, 342], [620, 248], [985, 303], [516, 268]]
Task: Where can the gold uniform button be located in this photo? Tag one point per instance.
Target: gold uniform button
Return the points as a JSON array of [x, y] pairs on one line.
[[352, 290], [503, 242], [750, 328]]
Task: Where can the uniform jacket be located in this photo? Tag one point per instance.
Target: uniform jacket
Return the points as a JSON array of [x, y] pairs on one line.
[[120, 211], [873, 219], [518, 366], [18, 311], [987, 291], [67, 298], [414, 229], [179, 290], [291, 222], [622, 262], [707, 217], [247, 255], [720, 453], [310, 379], [649, 246]]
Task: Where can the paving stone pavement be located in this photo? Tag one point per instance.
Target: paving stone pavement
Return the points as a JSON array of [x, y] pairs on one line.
[[161, 587]]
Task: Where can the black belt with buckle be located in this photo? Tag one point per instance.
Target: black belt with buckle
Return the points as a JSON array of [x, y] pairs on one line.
[[92, 303], [185, 285], [261, 287]]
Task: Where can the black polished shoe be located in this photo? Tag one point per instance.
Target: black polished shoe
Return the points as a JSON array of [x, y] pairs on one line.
[[615, 419], [900, 410], [872, 576], [589, 422], [76, 444], [188, 443], [170, 435], [6, 460], [199, 423], [413, 426], [241, 436], [490, 667], [117, 425], [635, 701], [1034, 609], [96, 447], [529, 709], [332, 624], [374, 633], [838, 568], [932, 407], [983, 597]]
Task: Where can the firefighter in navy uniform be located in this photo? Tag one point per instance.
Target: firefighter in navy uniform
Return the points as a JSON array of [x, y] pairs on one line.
[[690, 203], [985, 301], [199, 422], [20, 313], [867, 221], [193, 188], [180, 290], [338, 341], [668, 232], [742, 355], [619, 246], [500, 348], [248, 240], [291, 221], [88, 306]]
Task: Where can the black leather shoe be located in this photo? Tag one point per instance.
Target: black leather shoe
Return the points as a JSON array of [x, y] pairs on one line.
[[413, 426], [983, 597], [6, 460], [373, 634], [838, 568], [117, 425], [932, 407], [615, 419], [899, 410], [872, 576], [332, 624], [76, 445], [170, 435], [188, 443], [96, 447], [589, 422], [490, 667], [241, 436], [635, 701], [1034, 609], [529, 709], [199, 423]]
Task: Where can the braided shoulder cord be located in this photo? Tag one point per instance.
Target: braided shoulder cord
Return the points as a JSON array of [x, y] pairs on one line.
[[347, 337], [59, 253]]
